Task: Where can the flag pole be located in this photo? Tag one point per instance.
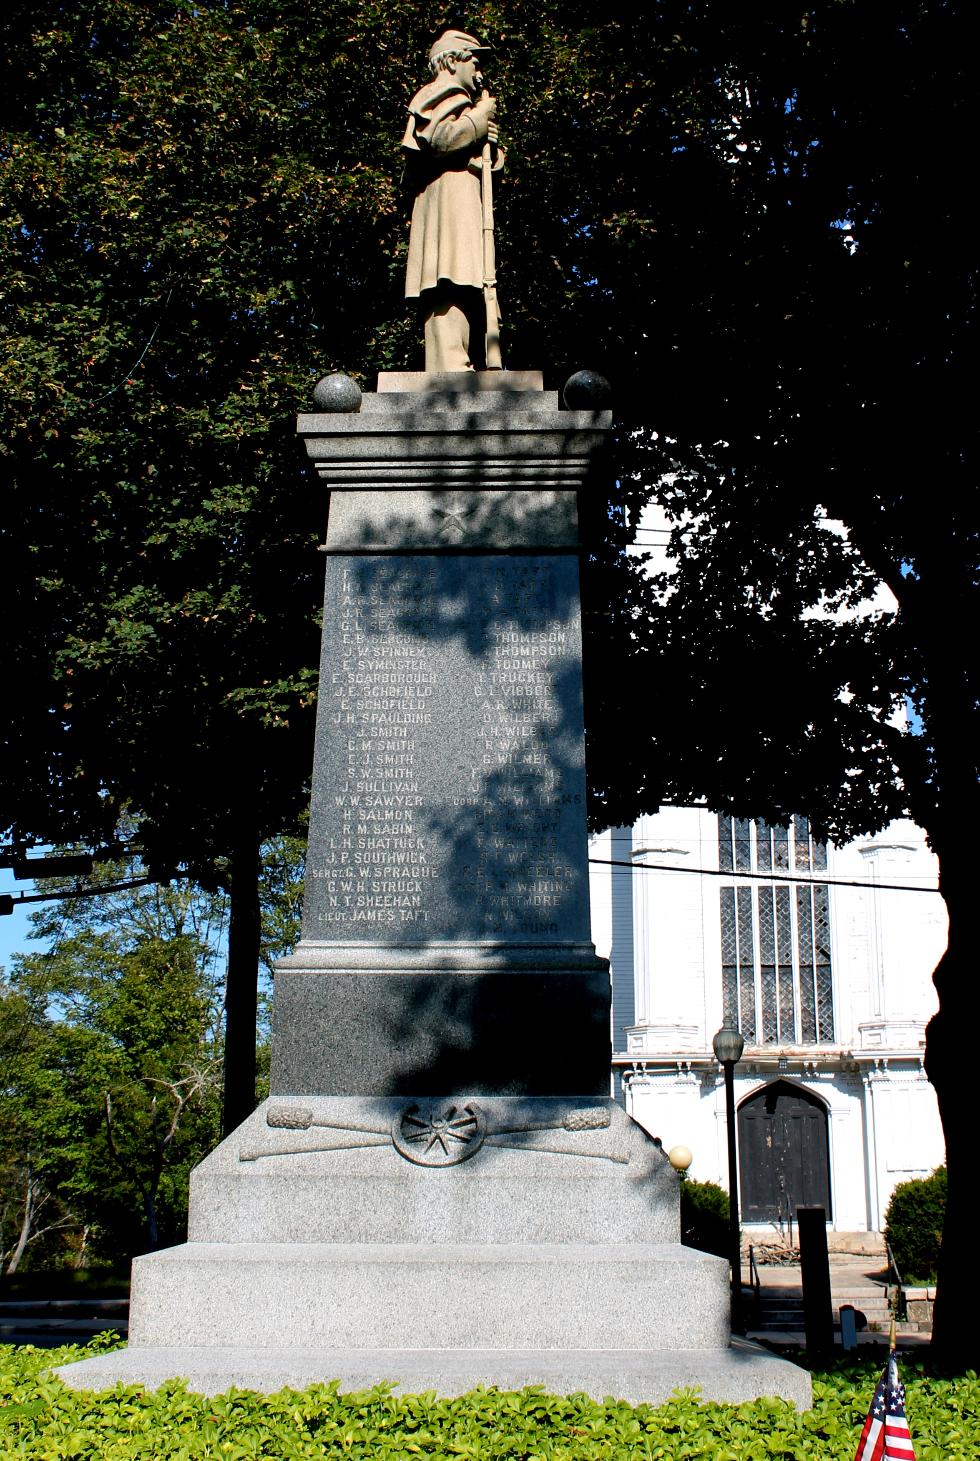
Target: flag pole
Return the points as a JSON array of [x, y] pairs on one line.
[[885, 1435]]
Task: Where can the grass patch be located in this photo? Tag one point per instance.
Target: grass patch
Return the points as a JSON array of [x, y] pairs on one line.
[[40, 1418]]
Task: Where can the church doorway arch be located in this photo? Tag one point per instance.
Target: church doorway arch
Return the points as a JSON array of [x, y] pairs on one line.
[[784, 1153]]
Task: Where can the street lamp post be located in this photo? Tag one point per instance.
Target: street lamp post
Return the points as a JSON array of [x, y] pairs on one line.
[[728, 1046]]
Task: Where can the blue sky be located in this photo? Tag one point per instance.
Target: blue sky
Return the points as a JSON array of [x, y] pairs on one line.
[[14, 930]]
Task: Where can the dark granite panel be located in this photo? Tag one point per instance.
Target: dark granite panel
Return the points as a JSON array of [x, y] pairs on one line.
[[449, 787], [487, 1034]]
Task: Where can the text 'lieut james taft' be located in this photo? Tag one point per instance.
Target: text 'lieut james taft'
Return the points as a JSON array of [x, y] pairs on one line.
[[450, 121]]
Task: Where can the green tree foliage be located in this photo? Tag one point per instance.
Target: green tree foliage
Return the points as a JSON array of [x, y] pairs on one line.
[[112, 1055], [755, 220], [39, 1133], [914, 1226], [281, 896], [814, 367], [191, 233], [111, 1044]]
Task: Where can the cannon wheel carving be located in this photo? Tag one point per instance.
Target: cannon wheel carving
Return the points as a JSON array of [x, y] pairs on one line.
[[439, 1134]]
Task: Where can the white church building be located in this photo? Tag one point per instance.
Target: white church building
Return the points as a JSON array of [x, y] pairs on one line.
[[822, 957]]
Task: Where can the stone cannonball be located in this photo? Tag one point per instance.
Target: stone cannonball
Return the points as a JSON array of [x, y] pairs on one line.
[[337, 392], [680, 1158], [587, 390]]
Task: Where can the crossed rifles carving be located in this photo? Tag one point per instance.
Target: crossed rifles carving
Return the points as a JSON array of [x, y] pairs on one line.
[[455, 1133]]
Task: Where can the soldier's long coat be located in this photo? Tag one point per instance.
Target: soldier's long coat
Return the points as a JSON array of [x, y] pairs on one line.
[[445, 142]]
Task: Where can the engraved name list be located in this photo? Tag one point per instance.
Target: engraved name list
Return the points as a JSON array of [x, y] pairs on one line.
[[445, 808]]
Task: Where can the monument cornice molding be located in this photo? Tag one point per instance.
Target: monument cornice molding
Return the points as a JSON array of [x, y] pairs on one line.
[[401, 442]]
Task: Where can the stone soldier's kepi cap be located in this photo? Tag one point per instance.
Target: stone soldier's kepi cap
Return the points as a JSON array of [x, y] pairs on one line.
[[456, 40]]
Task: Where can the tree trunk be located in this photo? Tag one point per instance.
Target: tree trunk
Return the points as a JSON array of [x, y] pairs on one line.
[[79, 1261], [951, 1039], [241, 994], [150, 1213], [951, 1035], [25, 1228]]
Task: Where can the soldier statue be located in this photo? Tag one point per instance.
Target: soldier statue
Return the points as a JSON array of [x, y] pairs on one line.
[[451, 141]]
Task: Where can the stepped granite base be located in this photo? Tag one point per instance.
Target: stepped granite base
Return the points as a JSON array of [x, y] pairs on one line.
[[437, 1244], [739, 1372]]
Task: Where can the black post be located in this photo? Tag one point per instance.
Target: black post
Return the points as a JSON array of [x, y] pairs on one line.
[[734, 1233], [818, 1310], [241, 990]]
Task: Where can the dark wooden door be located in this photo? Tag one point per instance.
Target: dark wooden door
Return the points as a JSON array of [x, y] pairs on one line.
[[784, 1158]]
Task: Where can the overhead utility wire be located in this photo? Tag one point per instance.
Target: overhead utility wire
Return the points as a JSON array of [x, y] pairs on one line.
[[773, 877], [650, 867], [80, 892]]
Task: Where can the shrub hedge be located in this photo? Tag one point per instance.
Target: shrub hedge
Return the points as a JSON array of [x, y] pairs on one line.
[[704, 1216], [914, 1226], [40, 1418]]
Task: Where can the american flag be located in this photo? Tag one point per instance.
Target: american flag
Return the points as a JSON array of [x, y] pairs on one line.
[[886, 1431]]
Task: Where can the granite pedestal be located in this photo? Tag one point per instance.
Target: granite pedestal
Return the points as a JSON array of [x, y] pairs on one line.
[[439, 1191]]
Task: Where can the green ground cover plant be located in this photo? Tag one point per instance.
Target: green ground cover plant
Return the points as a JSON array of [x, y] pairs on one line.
[[40, 1418]]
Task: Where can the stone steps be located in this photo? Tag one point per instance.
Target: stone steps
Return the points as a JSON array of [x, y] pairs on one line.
[[738, 1372], [783, 1313], [374, 1296]]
